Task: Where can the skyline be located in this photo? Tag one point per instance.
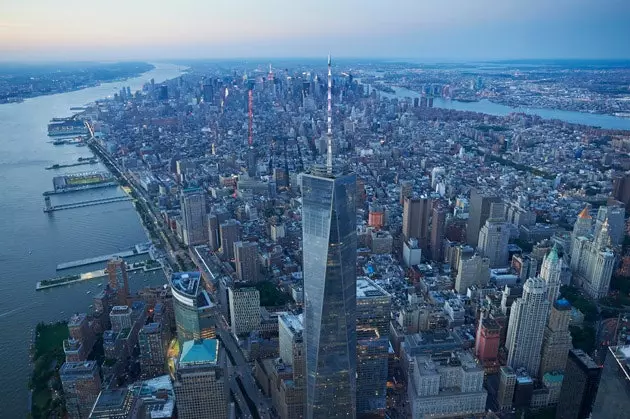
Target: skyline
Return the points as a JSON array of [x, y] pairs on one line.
[[35, 30]]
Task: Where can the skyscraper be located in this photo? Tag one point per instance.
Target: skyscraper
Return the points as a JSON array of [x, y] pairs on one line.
[[494, 237], [551, 271], [613, 396], [330, 242], [118, 280], [556, 339], [152, 343], [81, 382], [201, 387], [526, 327], [194, 218], [244, 310], [290, 402], [615, 217], [192, 306], [474, 270], [246, 258], [416, 213], [373, 311], [230, 232], [478, 214], [579, 386], [438, 228]]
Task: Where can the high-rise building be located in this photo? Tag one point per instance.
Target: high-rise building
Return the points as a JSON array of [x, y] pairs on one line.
[[592, 258], [194, 218], [152, 342], [613, 396], [118, 403], [244, 310], [579, 386], [81, 382], [487, 341], [290, 402], [120, 318], [329, 251], [438, 229], [416, 213], [551, 272], [118, 280], [494, 237], [507, 385], [472, 271], [230, 232], [479, 212], [201, 387], [526, 327], [445, 385], [192, 307], [246, 259], [406, 189], [556, 339], [214, 237], [615, 217], [621, 188], [373, 312]]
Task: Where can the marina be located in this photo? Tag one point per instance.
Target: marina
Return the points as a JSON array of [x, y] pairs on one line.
[[138, 249], [52, 208]]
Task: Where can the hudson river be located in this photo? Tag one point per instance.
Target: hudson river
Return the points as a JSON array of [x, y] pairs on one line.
[[32, 243]]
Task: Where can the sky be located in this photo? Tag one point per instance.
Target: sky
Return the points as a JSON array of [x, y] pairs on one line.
[[43, 30]]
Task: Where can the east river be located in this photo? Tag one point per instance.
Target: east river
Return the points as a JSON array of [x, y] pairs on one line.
[[32, 243]]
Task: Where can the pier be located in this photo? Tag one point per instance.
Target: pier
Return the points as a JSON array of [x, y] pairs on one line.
[[145, 266], [82, 188], [52, 208], [80, 163], [139, 249]]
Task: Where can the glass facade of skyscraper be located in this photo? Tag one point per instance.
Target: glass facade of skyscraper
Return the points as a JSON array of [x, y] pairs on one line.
[[330, 243]]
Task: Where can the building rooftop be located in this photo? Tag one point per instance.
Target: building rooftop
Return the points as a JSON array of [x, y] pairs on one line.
[[78, 368], [186, 283], [366, 288], [203, 351], [295, 323], [158, 396], [76, 319], [110, 402], [151, 328]]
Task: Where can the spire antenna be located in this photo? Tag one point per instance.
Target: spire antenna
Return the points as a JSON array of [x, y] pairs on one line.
[[329, 156]]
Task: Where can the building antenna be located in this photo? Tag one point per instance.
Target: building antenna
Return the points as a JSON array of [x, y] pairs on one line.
[[329, 156]]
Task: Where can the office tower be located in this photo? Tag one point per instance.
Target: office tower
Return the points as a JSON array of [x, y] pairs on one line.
[[244, 310], [579, 387], [376, 216], [214, 237], [152, 342], [230, 232], [551, 271], [201, 387], [406, 189], [118, 403], [329, 240], [191, 305], [478, 214], [163, 95], [556, 339], [416, 213], [291, 390], [472, 271], [118, 280], [446, 385], [621, 188], [615, 217], [494, 237], [412, 255], [246, 258], [194, 218], [507, 384], [120, 318], [81, 382], [592, 258], [438, 227], [373, 311], [526, 267], [526, 327], [613, 396], [487, 341]]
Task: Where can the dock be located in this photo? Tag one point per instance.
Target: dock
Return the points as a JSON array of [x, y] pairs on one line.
[[63, 166], [86, 276], [102, 201], [139, 249], [82, 188]]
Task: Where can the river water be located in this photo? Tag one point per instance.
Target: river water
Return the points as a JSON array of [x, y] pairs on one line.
[[491, 108], [32, 243]]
